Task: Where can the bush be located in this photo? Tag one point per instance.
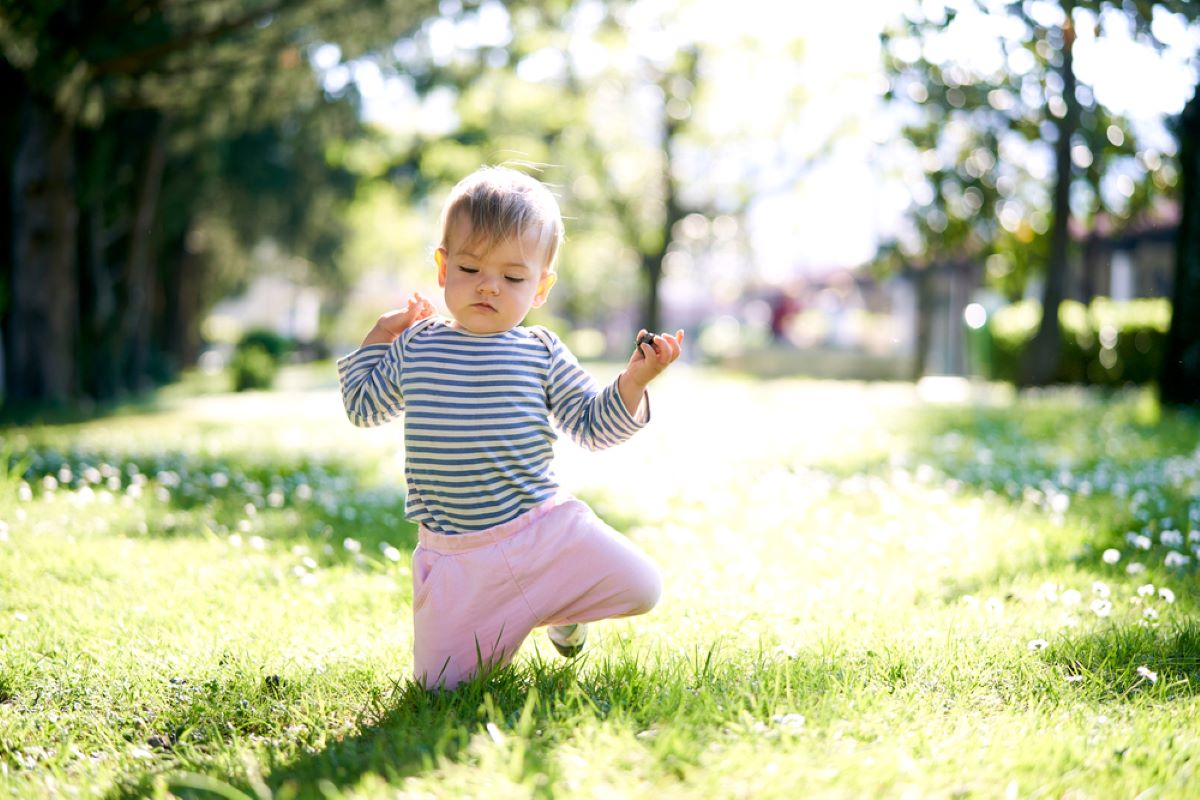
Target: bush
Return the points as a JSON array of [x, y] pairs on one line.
[[1108, 343], [256, 359], [276, 346]]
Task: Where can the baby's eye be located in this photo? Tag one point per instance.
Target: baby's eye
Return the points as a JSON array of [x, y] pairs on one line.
[[513, 279], [468, 270]]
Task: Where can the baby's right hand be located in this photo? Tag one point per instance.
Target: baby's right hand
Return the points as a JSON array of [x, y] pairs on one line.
[[395, 322]]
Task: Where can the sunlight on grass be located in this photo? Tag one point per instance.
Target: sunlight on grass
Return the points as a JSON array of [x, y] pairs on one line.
[[865, 595]]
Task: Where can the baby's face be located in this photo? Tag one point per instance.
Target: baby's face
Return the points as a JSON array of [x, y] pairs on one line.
[[490, 287]]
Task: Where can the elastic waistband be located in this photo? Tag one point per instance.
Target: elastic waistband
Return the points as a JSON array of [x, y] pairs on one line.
[[461, 542]]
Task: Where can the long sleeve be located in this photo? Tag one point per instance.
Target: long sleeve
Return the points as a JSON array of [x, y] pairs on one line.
[[370, 381], [594, 417]]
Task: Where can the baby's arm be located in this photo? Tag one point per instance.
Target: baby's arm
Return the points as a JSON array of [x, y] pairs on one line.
[[370, 376], [595, 417]]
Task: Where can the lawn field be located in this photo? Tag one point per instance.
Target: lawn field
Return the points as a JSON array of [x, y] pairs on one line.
[[867, 594]]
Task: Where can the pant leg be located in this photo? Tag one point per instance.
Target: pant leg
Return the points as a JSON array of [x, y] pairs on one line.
[[467, 612], [572, 567]]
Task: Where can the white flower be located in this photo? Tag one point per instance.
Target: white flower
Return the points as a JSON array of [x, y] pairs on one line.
[[1166, 594], [994, 605], [1049, 591], [1072, 597], [1037, 644], [1147, 673], [1101, 608], [1176, 559], [1100, 589], [1194, 537], [1171, 538], [1074, 678], [391, 553], [1145, 590], [1149, 613], [257, 543], [24, 493], [1111, 555], [792, 721], [1135, 568], [1142, 542], [353, 545], [235, 540]]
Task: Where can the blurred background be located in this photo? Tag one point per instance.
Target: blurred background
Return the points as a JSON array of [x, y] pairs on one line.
[[865, 190]]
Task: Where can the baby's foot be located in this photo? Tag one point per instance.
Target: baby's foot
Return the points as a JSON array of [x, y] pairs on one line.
[[568, 639]]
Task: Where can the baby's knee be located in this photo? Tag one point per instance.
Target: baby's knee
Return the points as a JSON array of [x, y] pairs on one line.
[[646, 588]]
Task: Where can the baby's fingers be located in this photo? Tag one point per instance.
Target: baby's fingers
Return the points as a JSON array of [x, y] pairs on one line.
[[673, 345]]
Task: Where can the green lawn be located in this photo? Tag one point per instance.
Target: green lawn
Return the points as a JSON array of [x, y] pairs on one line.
[[866, 595]]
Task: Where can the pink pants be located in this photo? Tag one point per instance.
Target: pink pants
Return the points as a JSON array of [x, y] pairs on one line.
[[476, 596]]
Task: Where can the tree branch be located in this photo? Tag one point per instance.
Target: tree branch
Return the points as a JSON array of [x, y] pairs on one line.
[[140, 61]]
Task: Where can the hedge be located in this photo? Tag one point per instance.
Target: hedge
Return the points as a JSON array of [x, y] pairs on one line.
[[1106, 343]]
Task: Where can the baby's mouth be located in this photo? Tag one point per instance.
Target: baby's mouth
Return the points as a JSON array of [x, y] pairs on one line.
[[485, 306]]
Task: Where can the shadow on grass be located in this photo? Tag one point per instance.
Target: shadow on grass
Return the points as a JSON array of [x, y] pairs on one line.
[[513, 718], [1122, 661], [513, 723], [320, 502]]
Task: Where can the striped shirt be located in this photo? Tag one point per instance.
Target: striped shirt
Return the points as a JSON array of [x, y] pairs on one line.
[[477, 417]]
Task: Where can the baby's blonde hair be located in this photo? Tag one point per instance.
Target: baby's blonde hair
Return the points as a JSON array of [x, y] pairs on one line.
[[500, 203]]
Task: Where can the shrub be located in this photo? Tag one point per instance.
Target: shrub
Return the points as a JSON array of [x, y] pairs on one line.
[[1106, 343], [276, 346], [256, 359]]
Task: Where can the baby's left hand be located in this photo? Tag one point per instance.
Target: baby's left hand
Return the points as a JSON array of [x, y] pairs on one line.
[[649, 360]]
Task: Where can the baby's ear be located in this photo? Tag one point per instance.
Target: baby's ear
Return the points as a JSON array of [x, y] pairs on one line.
[[439, 257], [544, 286]]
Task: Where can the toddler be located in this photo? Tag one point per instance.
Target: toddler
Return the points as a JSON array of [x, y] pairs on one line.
[[502, 549]]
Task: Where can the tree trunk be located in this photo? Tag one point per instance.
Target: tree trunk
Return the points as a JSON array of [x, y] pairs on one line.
[[923, 283], [1041, 360], [100, 358], [43, 322], [140, 275], [183, 299], [1180, 376], [670, 82], [12, 86]]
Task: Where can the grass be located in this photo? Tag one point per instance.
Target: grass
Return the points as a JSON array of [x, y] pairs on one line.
[[866, 595]]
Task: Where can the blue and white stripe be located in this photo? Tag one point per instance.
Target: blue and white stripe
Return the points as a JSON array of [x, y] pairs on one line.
[[477, 417]]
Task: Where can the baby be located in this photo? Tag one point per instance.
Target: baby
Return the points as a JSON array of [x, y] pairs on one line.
[[502, 548]]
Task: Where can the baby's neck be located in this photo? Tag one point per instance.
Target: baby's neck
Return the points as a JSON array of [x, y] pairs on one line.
[[454, 324]]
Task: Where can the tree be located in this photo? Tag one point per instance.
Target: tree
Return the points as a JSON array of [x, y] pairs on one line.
[[133, 122], [1042, 100], [1180, 378]]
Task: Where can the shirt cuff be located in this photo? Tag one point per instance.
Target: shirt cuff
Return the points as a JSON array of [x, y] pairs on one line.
[[629, 424]]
